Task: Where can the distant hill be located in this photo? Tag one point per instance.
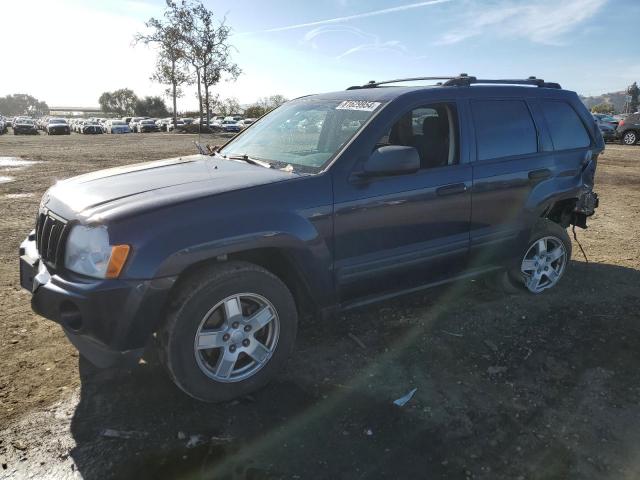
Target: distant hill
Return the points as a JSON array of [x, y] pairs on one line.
[[615, 98]]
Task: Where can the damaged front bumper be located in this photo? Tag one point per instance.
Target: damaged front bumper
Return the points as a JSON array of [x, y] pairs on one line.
[[108, 321]]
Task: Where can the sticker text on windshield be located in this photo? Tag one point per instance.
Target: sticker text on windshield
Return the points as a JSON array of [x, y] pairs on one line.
[[358, 105]]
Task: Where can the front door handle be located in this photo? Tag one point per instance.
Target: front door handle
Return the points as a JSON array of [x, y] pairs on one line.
[[539, 174], [451, 189]]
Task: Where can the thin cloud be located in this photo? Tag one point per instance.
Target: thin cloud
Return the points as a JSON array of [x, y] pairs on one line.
[[369, 41], [543, 22], [390, 46], [347, 18]]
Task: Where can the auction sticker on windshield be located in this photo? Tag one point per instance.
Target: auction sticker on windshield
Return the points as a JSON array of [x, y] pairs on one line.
[[358, 105]]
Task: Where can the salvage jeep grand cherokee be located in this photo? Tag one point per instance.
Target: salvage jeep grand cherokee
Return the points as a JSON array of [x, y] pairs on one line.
[[328, 202]]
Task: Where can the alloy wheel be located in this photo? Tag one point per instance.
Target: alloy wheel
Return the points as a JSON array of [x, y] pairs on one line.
[[237, 337], [543, 264], [630, 138]]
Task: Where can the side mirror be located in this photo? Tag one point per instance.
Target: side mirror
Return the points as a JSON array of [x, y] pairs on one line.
[[391, 160]]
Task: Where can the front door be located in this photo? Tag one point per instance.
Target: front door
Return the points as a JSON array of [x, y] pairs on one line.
[[400, 232]]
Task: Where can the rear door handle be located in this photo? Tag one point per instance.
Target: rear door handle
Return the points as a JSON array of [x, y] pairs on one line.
[[539, 174], [451, 189]]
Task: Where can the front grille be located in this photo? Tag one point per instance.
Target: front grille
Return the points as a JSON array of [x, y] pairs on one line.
[[51, 237]]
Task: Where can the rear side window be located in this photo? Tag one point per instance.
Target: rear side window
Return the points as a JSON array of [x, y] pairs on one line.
[[504, 128], [566, 128]]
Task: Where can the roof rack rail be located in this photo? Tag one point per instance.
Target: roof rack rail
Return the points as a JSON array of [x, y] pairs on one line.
[[374, 84], [464, 80]]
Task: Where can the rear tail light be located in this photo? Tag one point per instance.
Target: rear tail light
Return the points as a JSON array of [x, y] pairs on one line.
[[621, 123]]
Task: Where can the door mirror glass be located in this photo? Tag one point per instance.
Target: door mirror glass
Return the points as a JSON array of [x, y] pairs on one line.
[[392, 160]]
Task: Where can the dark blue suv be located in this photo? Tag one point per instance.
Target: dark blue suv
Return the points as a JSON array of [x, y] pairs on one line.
[[329, 202]]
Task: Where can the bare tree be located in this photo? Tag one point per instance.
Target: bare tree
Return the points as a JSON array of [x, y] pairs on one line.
[[265, 105], [229, 106], [171, 73], [205, 45], [170, 67]]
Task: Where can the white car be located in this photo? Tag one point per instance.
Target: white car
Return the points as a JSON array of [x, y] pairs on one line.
[[246, 122]]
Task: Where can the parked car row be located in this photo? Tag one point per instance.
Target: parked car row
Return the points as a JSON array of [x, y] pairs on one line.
[[62, 126], [624, 129]]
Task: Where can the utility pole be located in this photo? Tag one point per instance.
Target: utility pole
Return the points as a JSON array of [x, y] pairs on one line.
[[633, 92]]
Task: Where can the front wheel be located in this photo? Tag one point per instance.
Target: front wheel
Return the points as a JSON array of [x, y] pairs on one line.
[[544, 261], [231, 330]]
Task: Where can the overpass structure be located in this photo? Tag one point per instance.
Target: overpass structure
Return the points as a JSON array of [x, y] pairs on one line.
[[71, 111]]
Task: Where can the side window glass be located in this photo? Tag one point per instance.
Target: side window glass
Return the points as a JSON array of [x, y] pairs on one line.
[[566, 128], [432, 130], [504, 128]]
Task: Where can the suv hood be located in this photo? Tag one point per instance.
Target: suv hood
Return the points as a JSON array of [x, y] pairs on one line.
[[118, 192]]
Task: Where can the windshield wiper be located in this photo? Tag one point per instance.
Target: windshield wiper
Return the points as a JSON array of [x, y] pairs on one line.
[[201, 148], [248, 159]]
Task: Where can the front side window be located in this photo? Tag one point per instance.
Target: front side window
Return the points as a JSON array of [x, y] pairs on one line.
[[306, 133], [432, 130], [566, 128], [504, 128]]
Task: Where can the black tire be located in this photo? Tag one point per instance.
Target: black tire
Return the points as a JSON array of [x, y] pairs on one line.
[[196, 297], [511, 280], [630, 137]]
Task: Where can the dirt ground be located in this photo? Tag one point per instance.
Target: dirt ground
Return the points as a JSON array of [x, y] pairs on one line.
[[542, 387]]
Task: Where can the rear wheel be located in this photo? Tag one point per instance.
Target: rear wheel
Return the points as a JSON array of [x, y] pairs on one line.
[[231, 330], [543, 263], [629, 137]]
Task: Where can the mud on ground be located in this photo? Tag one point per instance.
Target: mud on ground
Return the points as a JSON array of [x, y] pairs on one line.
[[507, 387]]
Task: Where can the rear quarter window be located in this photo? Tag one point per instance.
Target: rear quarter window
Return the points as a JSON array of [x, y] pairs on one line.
[[504, 128], [566, 129]]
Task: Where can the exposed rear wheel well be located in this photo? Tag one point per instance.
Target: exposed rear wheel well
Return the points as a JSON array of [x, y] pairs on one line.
[[561, 212]]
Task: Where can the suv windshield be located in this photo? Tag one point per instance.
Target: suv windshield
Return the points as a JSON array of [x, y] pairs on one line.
[[306, 133]]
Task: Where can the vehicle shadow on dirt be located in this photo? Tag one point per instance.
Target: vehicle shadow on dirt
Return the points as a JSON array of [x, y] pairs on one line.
[[507, 386]]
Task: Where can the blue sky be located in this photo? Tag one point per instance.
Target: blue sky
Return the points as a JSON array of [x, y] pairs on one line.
[[295, 48]]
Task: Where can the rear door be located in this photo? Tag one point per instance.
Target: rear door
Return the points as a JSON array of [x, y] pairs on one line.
[[574, 147], [509, 160]]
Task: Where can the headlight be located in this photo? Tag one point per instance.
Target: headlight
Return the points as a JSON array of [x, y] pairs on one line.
[[88, 252]]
